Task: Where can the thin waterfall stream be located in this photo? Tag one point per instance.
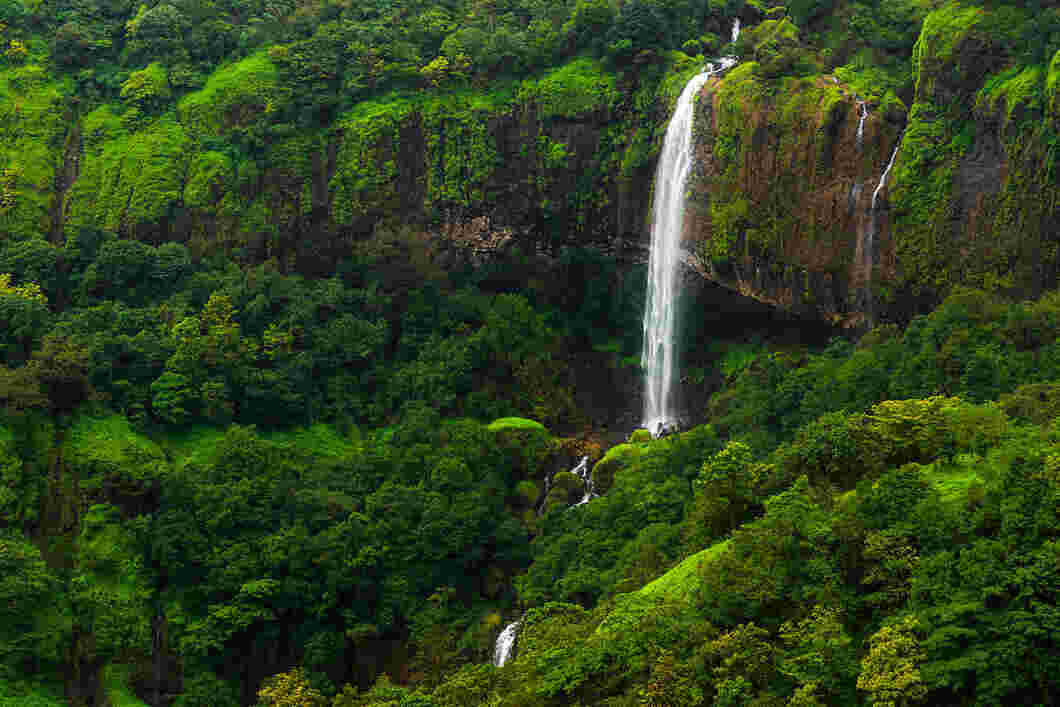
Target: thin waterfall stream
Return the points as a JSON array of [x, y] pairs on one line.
[[870, 232], [504, 648], [659, 352]]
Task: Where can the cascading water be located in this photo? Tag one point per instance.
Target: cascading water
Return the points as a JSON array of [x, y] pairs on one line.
[[504, 648], [870, 231], [855, 188], [658, 355], [861, 122], [583, 472]]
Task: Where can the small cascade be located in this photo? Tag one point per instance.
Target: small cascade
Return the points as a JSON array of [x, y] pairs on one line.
[[659, 352], [504, 648], [870, 231], [861, 122], [855, 188], [883, 177], [583, 472], [544, 496]]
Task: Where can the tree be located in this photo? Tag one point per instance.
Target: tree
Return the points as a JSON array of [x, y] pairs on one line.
[[724, 491], [289, 689], [60, 368], [24, 317], [589, 24], [147, 89], [157, 32], [26, 587], [890, 673], [746, 663], [820, 656], [173, 398], [33, 260], [640, 27]]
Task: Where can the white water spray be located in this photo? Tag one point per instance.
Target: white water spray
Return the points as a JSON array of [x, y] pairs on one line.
[[504, 648], [583, 472], [861, 122], [883, 177], [658, 355]]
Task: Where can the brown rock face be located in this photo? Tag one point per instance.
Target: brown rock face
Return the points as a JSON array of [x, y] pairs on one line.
[[781, 199]]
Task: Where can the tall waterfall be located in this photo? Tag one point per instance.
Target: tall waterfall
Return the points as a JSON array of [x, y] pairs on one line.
[[659, 352], [504, 648]]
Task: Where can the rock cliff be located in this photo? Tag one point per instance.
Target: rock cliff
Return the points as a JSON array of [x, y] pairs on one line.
[[782, 202]]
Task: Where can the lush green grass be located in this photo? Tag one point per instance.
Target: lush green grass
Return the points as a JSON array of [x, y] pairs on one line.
[[682, 581], [318, 440], [516, 423], [109, 445], [198, 444], [677, 587], [953, 481], [194, 444], [578, 87], [235, 96]]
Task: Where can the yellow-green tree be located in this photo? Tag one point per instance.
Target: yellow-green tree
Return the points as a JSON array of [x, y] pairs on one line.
[[890, 673], [290, 689]]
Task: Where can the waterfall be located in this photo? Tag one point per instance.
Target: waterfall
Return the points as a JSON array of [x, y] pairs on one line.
[[870, 232], [861, 122], [583, 472], [736, 29], [883, 177], [504, 649], [658, 355]]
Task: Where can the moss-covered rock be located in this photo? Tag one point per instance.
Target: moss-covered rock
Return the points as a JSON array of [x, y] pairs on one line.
[[639, 436], [616, 458], [132, 175], [527, 493], [973, 195], [515, 423], [782, 189], [34, 121], [565, 489], [113, 462]]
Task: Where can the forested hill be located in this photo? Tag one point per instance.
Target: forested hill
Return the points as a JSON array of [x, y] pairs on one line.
[[320, 328]]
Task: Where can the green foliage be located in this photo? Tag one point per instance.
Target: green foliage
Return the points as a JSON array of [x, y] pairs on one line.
[[147, 89], [237, 100], [577, 88], [132, 175], [32, 129]]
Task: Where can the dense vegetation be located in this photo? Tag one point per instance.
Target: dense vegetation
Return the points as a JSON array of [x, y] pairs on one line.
[[266, 438]]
